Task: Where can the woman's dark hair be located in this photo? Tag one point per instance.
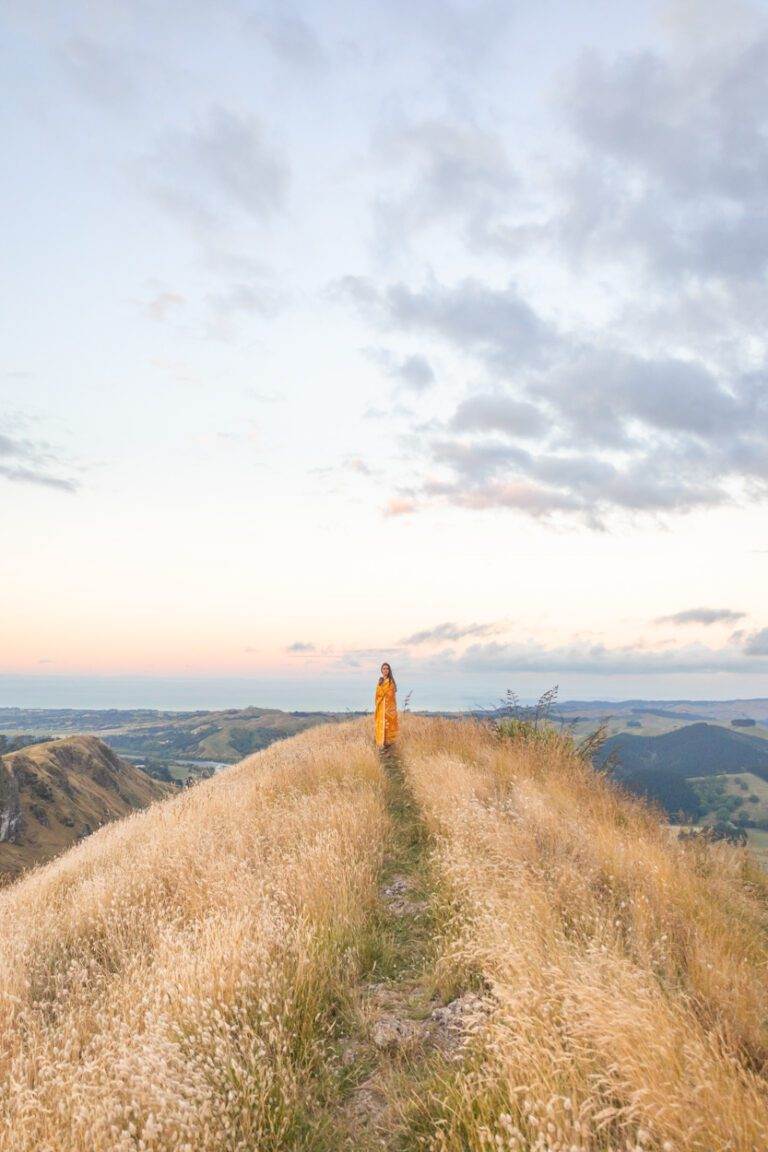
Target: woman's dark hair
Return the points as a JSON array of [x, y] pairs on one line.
[[391, 676]]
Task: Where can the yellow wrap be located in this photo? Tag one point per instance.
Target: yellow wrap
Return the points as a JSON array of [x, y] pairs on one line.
[[385, 713]]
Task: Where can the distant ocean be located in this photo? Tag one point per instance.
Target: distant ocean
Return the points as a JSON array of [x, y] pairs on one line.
[[321, 693], [183, 694]]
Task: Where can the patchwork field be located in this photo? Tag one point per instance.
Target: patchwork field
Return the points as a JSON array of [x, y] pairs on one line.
[[734, 794]]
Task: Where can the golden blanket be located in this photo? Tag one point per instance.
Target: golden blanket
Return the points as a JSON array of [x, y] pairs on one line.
[[385, 713]]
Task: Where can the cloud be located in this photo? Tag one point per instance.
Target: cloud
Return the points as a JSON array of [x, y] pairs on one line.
[[300, 646], [237, 301], [244, 299], [598, 394], [224, 166], [11, 447], [24, 461], [102, 74], [598, 659], [357, 657], [674, 153], [357, 464], [217, 312], [41, 479], [400, 507], [224, 177], [703, 616], [616, 431], [292, 39], [531, 499], [416, 372], [164, 304], [448, 631], [757, 644], [478, 460], [492, 412], [459, 172], [490, 473], [655, 402], [496, 324], [413, 372]]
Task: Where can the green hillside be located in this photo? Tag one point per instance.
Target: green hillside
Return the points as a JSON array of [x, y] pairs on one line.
[[222, 736], [694, 750]]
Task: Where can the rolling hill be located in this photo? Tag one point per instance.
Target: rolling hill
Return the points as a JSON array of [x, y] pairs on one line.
[[473, 942], [55, 793], [694, 750], [222, 736], [163, 739], [672, 769]]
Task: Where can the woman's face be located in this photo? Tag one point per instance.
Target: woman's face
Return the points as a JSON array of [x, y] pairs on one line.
[[385, 670]]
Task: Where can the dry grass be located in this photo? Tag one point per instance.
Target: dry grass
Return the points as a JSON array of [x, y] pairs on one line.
[[175, 983], [626, 975], [170, 983], [66, 788]]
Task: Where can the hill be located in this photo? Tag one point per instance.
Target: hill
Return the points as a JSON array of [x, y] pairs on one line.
[[55, 793], [694, 750], [672, 770], [220, 736], [166, 742], [475, 942]]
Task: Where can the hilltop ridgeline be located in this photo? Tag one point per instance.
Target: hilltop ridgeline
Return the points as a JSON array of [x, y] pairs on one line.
[[472, 942]]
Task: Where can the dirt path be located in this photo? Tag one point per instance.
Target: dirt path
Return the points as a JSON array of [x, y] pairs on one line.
[[399, 1030]]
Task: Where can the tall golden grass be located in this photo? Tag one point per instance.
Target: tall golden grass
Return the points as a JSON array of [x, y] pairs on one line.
[[169, 983], [625, 974], [173, 983]]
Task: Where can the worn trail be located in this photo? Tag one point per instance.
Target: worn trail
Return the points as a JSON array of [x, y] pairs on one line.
[[399, 1028]]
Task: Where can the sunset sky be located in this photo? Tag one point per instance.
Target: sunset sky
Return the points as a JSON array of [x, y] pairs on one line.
[[335, 332]]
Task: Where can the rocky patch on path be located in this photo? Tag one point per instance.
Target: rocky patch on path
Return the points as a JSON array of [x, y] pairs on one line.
[[395, 1027], [396, 898], [451, 1023], [351, 1051], [396, 1033], [367, 1108]]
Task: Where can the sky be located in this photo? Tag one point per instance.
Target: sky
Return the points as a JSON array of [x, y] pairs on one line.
[[340, 332]]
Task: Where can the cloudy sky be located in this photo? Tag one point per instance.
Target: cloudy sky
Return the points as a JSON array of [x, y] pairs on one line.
[[336, 331]]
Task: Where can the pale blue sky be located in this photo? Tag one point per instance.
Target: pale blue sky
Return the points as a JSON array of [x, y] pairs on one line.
[[328, 325]]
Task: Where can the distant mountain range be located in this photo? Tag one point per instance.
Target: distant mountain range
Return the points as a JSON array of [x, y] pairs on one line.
[[687, 710], [55, 793]]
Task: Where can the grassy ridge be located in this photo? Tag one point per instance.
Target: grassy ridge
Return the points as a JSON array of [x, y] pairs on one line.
[[624, 975], [171, 983], [214, 973]]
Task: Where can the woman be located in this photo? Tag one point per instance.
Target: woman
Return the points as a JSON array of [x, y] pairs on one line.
[[385, 713]]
